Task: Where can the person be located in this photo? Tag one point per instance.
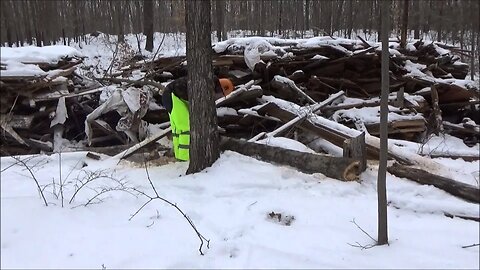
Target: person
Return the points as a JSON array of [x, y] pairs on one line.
[[175, 100]]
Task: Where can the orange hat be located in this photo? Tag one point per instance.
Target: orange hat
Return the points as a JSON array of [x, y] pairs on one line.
[[227, 86]]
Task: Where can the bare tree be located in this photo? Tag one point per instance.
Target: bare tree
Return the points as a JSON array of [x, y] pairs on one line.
[[204, 149], [220, 11], [382, 170], [403, 41], [148, 23]]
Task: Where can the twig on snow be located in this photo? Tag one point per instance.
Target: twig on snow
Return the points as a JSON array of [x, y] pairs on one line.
[[473, 245], [174, 205]]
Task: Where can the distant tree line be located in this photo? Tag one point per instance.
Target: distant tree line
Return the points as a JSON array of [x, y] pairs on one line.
[[43, 22]]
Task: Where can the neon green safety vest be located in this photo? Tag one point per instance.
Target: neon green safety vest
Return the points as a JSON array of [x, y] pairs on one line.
[[180, 123]]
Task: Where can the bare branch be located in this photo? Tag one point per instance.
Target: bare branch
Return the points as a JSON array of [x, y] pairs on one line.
[[33, 177], [200, 236], [469, 246]]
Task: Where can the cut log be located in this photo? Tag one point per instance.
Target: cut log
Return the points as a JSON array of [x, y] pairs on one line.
[[345, 169], [356, 148], [457, 189]]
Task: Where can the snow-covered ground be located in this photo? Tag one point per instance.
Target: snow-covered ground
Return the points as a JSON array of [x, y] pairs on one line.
[[235, 204], [229, 204]]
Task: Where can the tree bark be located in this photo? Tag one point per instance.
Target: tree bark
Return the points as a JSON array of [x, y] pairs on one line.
[[416, 19], [148, 23], [220, 11], [458, 189], [345, 169], [204, 150], [7, 22], [307, 15], [403, 41], [381, 182], [349, 18]]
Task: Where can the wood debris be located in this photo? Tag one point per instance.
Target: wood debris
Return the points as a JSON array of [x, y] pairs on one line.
[[280, 87]]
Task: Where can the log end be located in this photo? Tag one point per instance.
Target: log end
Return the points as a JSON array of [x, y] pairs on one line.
[[351, 172]]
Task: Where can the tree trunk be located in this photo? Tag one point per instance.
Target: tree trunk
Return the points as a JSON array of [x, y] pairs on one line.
[[27, 23], [119, 17], [220, 11], [280, 7], [458, 189], [307, 15], [7, 22], [204, 149], [349, 19], [148, 23], [416, 19], [403, 41], [382, 170], [263, 16], [335, 167], [440, 22]]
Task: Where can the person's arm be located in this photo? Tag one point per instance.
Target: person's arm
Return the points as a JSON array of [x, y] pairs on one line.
[[167, 98]]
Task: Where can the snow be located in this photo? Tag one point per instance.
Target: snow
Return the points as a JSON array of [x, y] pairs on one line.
[[440, 51], [286, 143], [320, 57], [15, 69], [229, 204], [370, 115], [33, 54], [222, 111]]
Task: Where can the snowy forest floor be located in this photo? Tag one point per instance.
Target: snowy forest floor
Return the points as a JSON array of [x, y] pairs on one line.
[[231, 204]]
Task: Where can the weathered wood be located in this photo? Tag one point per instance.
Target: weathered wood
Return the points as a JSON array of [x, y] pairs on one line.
[[148, 141], [456, 156], [458, 189], [400, 100], [133, 82], [297, 119], [461, 128], [93, 156], [242, 93], [436, 115], [399, 126], [18, 121], [283, 82], [334, 136], [356, 148], [335, 167], [9, 130]]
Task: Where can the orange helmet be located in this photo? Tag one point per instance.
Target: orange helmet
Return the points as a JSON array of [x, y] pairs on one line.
[[227, 86]]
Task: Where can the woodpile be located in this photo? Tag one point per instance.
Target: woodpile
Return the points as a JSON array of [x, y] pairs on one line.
[[281, 87]]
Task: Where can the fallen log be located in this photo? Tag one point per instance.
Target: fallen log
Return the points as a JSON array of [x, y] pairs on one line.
[[346, 169], [457, 189]]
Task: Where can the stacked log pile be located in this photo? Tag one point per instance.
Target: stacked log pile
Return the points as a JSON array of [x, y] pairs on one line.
[[429, 94]]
